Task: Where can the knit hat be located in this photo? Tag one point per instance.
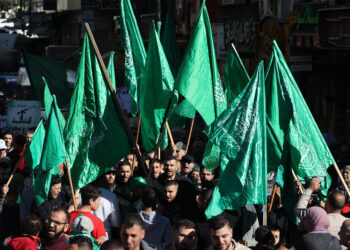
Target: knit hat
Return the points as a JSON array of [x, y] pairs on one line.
[[82, 224], [136, 182]]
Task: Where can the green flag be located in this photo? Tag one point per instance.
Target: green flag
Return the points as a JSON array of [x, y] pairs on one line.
[[171, 50], [48, 99], [293, 138], [198, 78], [199, 82], [156, 89], [33, 151], [53, 154], [54, 72], [94, 135], [236, 77], [240, 134], [111, 71], [135, 53]]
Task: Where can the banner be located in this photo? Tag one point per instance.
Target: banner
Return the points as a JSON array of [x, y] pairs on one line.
[[23, 114]]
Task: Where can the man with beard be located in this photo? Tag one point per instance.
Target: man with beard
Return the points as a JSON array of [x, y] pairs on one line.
[[184, 236], [56, 227]]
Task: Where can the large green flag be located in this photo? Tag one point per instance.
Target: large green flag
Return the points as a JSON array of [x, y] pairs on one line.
[[199, 82], [135, 53], [94, 134], [48, 100], [53, 154], [171, 50], [110, 70], [240, 134], [54, 72], [33, 151], [236, 77], [293, 138], [156, 89]]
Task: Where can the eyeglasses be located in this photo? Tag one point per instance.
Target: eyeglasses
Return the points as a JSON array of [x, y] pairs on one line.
[[56, 223]]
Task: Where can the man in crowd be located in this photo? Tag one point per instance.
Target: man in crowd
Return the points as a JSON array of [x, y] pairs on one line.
[[180, 150], [221, 234], [8, 138], [184, 236], [334, 204], [344, 234], [56, 228], [156, 168], [187, 164], [132, 234]]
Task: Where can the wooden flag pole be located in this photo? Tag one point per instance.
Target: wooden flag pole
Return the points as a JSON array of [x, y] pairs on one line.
[[114, 96], [190, 135], [71, 185], [14, 170], [136, 141], [273, 197], [341, 178], [169, 133], [297, 179]]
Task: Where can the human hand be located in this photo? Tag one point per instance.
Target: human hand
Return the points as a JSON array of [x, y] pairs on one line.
[[315, 184]]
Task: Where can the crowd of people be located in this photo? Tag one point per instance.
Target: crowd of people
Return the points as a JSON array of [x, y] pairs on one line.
[[148, 203]]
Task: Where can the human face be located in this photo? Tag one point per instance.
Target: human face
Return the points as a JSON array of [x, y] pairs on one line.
[[57, 225], [110, 178], [95, 204], [195, 174], [157, 169], [187, 167], [171, 192], [28, 137], [222, 238], [184, 238], [346, 174], [180, 153], [276, 235], [206, 175], [55, 190], [130, 158], [8, 140], [344, 233], [131, 237], [125, 173], [2, 152], [170, 168]]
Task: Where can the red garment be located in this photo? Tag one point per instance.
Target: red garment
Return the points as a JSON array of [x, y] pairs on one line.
[[346, 208], [23, 242], [15, 155], [99, 228]]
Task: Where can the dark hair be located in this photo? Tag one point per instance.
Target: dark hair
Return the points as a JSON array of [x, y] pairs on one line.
[[20, 140], [149, 198], [275, 227], [55, 179], [154, 160], [89, 192], [8, 133], [132, 220], [263, 235], [63, 210], [171, 183], [112, 245], [335, 201], [81, 241], [184, 223], [218, 222], [124, 163], [31, 225], [170, 158]]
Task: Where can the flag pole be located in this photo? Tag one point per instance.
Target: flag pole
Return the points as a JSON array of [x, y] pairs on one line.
[[14, 170], [114, 96], [297, 179], [273, 197], [136, 141], [190, 135], [169, 133], [71, 185], [341, 178]]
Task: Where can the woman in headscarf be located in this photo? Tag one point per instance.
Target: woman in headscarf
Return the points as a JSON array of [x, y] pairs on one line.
[[317, 237]]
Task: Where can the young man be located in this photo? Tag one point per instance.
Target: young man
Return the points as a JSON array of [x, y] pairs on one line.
[[184, 236], [91, 196], [221, 234], [158, 227], [156, 168], [8, 138], [132, 234], [56, 227]]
